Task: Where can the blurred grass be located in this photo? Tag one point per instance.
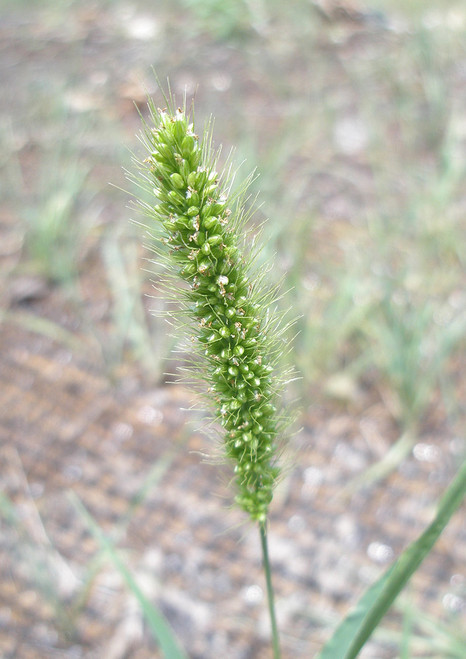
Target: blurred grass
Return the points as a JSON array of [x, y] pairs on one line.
[[356, 628], [54, 235], [157, 623], [65, 586], [361, 162], [358, 134], [361, 176]]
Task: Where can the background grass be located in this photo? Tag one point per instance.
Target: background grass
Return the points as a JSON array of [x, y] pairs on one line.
[[354, 118]]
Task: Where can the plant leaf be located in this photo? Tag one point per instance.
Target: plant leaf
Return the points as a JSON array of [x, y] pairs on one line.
[[156, 621], [353, 632]]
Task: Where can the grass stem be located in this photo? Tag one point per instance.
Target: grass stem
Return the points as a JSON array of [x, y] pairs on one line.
[[270, 595]]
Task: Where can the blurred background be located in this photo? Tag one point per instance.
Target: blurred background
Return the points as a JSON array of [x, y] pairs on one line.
[[354, 114]]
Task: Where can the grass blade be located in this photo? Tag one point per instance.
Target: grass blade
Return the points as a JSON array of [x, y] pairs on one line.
[[156, 621], [357, 627]]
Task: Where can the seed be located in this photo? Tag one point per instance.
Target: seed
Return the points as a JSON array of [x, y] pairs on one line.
[[177, 181]]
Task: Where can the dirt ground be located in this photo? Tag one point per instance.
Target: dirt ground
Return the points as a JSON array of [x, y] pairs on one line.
[[65, 430], [126, 446]]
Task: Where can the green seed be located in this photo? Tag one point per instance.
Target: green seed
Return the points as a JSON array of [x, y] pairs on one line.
[[213, 240], [210, 221], [177, 181], [192, 179], [187, 146]]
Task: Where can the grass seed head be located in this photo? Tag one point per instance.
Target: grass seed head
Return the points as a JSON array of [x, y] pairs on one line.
[[200, 230]]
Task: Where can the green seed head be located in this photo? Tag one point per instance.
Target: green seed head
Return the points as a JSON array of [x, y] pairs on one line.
[[200, 226]]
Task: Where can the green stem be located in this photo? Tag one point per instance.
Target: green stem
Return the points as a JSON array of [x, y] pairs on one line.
[[270, 595]]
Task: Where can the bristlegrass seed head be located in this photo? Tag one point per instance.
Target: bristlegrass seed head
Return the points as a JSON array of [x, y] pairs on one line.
[[198, 231]]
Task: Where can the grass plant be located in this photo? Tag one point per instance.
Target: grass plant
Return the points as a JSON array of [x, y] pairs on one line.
[[54, 235], [222, 19], [43, 565], [197, 228], [354, 631], [197, 232], [64, 587], [130, 328], [424, 636], [383, 299], [156, 621]]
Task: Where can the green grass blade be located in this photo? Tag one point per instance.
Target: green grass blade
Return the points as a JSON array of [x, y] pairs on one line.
[[44, 327], [157, 623], [357, 627], [156, 473]]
